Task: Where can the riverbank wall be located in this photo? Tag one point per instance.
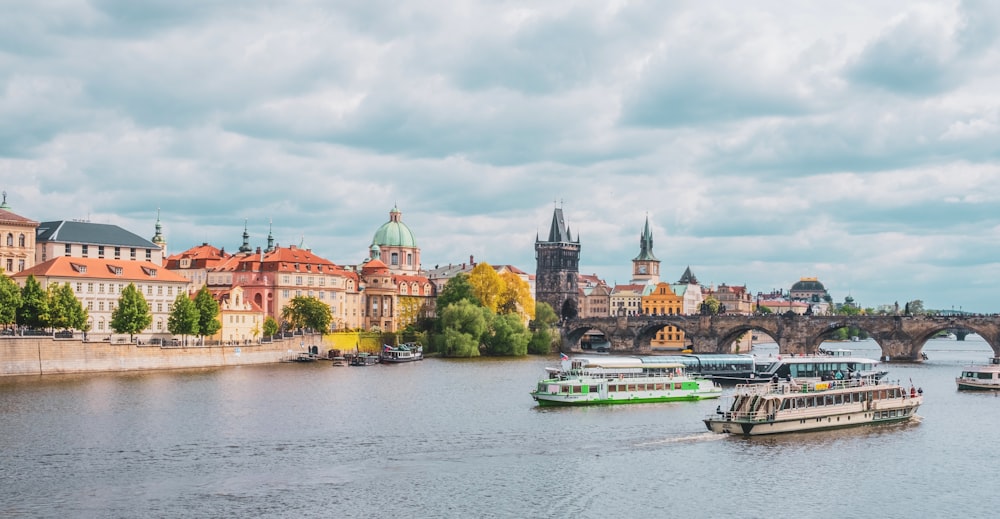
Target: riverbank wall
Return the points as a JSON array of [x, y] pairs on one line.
[[47, 356]]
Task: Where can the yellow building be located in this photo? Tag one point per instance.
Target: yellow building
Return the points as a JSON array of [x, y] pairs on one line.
[[660, 299], [17, 240]]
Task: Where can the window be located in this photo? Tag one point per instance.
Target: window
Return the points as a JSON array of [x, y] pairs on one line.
[[409, 258], [149, 254], [20, 241], [84, 250], [20, 265], [68, 249], [10, 240], [118, 253], [100, 251], [132, 253], [298, 280], [10, 265], [394, 258], [90, 288]]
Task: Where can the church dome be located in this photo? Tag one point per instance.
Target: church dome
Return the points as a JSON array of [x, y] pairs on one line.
[[394, 233], [808, 285]]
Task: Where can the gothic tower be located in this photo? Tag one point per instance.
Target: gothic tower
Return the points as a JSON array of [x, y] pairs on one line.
[[557, 268], [645, 266]]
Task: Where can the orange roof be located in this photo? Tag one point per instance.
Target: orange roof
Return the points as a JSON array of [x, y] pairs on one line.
[[97, 268], [373, 265]]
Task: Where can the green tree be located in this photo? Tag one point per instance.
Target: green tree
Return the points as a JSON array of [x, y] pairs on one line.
[[65, 310], [541, 328], [713, 305], [307, 312], [208, 313], [183, 318], [455, 290], [463, 325], [270, 326], [916, 307], [131, 315], [486, 285], [508, 336], [34, 309], [10, 300]]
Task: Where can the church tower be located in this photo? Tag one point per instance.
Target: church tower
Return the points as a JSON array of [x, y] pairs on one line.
[[645, 266], [557, 268], [158, 238]]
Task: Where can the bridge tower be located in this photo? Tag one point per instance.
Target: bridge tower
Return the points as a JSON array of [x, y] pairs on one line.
[[645, 266], [557, 267]]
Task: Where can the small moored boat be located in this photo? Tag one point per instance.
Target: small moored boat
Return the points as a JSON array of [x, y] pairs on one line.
[[620, 380], [980, 377], [403, 353], [757, 409]]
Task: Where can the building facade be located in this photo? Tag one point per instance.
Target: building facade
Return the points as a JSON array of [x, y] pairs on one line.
[[395, 245], [557, 268], [98, 284], [17, 240], [595, 296]]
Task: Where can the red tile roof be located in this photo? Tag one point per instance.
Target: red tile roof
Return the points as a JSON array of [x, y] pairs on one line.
[[96, 268], [7, 217]]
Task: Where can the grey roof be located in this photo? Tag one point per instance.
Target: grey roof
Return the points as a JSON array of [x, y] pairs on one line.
[[69, 231]]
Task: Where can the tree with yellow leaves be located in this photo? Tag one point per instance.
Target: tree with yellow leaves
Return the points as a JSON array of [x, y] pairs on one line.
[[515, 298], [486, 285]]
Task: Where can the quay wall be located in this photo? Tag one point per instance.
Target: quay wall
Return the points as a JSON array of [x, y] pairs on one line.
[[45, 355]]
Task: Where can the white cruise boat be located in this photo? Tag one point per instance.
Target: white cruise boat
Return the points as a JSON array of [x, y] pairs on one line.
[[831, 365], [620, 380], [757, 409], [980, 377]]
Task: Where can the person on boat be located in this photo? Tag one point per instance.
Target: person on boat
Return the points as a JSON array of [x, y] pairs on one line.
[[839, 375]]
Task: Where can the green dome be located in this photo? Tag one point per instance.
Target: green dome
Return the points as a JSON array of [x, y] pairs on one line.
[[394, 233], [808, 285]]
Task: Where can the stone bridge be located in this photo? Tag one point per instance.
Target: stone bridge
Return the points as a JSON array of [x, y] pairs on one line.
[[900, 337]]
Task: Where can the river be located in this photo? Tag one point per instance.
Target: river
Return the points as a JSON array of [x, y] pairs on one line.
[[463, 438]]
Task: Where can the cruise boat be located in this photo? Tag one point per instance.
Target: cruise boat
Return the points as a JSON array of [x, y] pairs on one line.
[[831, 365], [758, 409], [981, 377], [620, 380], [403, 353]]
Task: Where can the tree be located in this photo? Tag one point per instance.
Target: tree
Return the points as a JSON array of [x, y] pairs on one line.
[[65, 310], [541, 327], [34, 309], [486, 285], [915, 307], [270, 326], [408, 310], [131, 315], [515, 297], [183, 319], [464, 324], [712, 305], [307, 312], [455, 290], [10, 300], [208, 313], [508, 337]]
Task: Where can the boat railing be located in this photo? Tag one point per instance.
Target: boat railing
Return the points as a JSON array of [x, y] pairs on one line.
[[805, 386]]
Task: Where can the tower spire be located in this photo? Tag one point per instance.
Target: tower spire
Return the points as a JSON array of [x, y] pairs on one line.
[[158, 236], [246, 238]]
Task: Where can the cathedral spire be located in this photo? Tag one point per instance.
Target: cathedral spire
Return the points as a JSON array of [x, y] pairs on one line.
[[270, 237], [158, 236], [246, 238]]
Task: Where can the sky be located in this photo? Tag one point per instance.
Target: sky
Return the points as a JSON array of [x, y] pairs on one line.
[[766, 141]]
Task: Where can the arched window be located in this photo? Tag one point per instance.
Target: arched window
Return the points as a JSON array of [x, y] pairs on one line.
[[10, 240], [394, 258], [20, 241]]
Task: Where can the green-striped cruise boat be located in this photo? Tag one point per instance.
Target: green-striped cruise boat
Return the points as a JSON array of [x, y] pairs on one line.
[[620, 380]]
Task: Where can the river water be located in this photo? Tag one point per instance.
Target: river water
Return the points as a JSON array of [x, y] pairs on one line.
[[463, 438]]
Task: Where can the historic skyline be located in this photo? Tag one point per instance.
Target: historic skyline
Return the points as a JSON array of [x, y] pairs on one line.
[[767, 142]]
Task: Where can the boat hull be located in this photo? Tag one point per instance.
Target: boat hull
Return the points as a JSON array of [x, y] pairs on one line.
[[974, 385], [563, 400], [760, 428]]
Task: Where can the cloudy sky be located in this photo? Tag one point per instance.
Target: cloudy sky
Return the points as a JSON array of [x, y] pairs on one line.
[[766, 141]]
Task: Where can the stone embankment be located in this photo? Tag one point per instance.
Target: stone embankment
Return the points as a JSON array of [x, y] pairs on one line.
[[46, 355]]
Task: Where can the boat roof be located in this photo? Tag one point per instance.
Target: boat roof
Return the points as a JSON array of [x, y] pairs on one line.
[[626, 362]]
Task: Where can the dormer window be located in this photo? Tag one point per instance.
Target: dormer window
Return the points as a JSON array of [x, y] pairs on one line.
[[115, 270], [149, 271], [82, 269]]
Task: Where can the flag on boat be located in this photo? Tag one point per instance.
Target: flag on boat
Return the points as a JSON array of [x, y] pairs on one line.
[[563, 356]]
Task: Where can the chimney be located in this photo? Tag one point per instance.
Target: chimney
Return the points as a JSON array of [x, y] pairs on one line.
[[472, 260]]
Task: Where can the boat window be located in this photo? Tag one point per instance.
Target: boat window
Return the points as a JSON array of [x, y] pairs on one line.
[[577, 389], [631, 387], [593, 389]]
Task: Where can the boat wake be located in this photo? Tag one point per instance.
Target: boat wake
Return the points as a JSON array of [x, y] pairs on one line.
[[693, 438]]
